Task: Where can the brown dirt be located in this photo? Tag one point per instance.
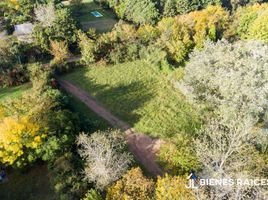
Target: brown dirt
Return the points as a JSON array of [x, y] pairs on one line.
[[142, 146]]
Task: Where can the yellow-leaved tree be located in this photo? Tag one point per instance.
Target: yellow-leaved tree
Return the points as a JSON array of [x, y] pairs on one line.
[[18, 135], [209, 23], [14, 3]]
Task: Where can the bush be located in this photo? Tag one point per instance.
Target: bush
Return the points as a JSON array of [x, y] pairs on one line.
[[178, 156], [60, 51], [13, 58], [88, 48], [92, 195], [67, 181], [173, 188], [132, 186]]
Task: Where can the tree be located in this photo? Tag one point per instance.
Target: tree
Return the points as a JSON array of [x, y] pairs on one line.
[[17, 140], [229, 77], [45, 14], [138, 11], [132, 186], [248, 19], [231, 81], [227, 149], [63, 28], [60, 51], [88, 48], [259, 28], [105, 157], [209, 23]]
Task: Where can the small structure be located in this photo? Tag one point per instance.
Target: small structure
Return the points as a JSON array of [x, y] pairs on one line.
[[24, 32], [96, 14]]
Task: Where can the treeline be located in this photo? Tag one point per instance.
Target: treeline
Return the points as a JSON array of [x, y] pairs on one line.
[[172, 39], [151, 11]]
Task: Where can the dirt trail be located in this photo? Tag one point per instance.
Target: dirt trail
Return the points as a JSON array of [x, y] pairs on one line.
[[142, 146]]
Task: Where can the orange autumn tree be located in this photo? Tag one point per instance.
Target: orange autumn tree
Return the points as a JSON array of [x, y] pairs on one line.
[[18, 137], [209, 23]]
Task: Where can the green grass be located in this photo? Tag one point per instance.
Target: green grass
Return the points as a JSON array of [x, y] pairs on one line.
[[88, 6], [140, 95], [13, 92], [31, 185], [91, 122]]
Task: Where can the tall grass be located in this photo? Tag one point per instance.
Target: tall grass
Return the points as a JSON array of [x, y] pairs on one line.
[[140, 95]]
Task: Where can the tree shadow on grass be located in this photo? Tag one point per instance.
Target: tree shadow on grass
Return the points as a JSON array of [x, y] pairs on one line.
[[123, 100]]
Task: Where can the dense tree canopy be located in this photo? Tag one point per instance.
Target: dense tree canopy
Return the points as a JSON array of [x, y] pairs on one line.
[[230, 80]]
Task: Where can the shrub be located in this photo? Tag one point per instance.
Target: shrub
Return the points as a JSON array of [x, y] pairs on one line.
[[132, 186], [178, 156], [173, 188], [105, 157], [13, 56], [60, 51], [67, 182], [87, 47], [92, 195]]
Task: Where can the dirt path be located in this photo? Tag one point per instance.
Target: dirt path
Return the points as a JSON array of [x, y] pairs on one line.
[[142, 146]]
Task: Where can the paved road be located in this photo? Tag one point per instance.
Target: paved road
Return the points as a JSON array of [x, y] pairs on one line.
[[142, 146]]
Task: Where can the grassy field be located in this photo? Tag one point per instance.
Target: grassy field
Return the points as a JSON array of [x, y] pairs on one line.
[[87, 20], [13, 92], [31, 185], [89, 6], [139, 95]]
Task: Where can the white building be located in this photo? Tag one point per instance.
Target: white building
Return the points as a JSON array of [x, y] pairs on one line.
[[24, 32]]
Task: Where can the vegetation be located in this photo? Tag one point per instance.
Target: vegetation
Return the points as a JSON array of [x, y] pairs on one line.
[[32, 184], [230, 86], [104, 155], [13, 92], [134, 91], [134, 185], [191, 74], [173, 188]]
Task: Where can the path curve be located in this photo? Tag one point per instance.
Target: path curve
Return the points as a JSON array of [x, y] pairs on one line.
[[143, 147]]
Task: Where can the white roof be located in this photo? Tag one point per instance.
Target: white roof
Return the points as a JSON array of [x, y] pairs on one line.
[[23, 29]]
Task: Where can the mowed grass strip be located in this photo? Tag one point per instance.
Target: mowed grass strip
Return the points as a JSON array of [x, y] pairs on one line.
[[13, 92], [140, 95]]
